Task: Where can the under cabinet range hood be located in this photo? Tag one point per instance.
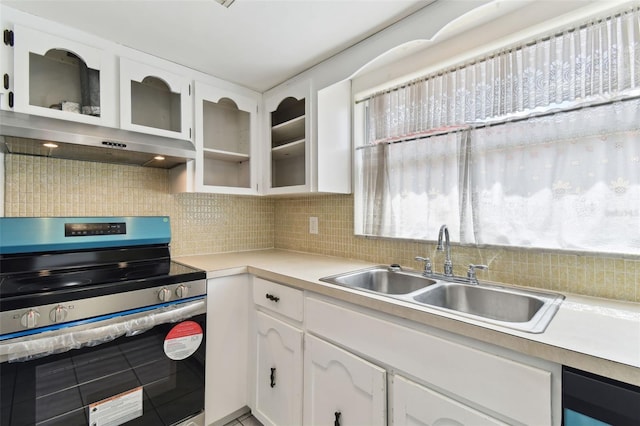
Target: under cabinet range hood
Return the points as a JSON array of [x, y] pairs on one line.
[[29, 135]]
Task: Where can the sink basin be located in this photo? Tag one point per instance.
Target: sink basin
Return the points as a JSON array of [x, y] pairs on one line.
[[525, 310], [482, 301], [381, 280]]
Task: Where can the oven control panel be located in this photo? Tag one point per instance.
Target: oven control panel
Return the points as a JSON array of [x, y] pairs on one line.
[[31, 235], [89, 229], [63, 312]]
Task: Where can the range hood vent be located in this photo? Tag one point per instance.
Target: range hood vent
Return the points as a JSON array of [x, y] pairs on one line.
[[27, 134]]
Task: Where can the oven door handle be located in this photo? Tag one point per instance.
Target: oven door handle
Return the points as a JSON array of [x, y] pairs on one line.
[[95, 333]]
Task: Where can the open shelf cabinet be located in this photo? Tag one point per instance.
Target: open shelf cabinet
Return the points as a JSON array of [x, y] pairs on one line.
[[59, 78], [226, 125], [154, 101], [288, 150]]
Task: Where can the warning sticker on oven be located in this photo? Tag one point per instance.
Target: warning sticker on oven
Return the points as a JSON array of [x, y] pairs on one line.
[[117, 409], [183, 340]]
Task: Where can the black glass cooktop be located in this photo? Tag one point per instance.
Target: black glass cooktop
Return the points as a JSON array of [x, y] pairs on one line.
[[56, 277]]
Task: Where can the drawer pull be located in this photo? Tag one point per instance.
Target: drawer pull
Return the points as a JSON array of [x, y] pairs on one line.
[[337, 422], [8, 37], [272, 297], [273, 377]]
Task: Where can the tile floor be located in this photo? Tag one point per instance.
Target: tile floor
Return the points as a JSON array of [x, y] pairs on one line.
[[245, 420]]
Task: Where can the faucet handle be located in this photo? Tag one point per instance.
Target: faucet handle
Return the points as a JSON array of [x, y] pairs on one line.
[[471, 272], [428, 269]]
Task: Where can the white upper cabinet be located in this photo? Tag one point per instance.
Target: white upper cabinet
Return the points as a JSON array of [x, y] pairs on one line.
[[60, 78], [333, 147], [225, 134], [289, 145], [308, 139], [154, 101]]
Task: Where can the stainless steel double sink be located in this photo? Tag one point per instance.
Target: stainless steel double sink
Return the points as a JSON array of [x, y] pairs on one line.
[[524, 310]]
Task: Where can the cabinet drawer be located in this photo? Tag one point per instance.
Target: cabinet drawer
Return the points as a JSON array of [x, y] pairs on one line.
[[279, 298]]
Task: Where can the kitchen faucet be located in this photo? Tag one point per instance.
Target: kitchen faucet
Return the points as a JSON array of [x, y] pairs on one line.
[[448, 265]]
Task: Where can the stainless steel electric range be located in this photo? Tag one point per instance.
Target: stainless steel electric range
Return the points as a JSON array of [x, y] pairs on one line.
[[98, 326]]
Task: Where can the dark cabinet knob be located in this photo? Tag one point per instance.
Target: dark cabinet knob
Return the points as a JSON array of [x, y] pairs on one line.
[[337, 421]]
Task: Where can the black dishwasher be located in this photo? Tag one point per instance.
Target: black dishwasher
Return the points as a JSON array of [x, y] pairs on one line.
[[592, 400]]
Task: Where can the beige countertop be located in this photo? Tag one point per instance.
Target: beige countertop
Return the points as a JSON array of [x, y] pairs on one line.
[[597, 335]]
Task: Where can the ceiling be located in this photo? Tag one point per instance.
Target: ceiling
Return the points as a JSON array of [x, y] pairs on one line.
[[255, 43]]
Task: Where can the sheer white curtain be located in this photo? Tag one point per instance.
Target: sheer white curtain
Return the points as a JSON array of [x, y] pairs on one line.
[[567, 179], [409, 189], [599, 61]]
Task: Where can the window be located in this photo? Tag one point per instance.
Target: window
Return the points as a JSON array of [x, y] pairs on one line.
[[534, 146]]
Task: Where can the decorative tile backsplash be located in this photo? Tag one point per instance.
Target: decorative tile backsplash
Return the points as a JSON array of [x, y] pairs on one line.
[[613, 277], [210, 223], [200, 223]]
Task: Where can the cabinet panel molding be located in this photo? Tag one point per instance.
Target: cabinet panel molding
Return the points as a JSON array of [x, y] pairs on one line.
[[341, 388], [415, 405], [278, 372]]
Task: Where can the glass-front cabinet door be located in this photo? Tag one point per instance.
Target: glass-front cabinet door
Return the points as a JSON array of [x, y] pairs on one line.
[[288, 114], [225, 130], [60, 78], [154, 101]]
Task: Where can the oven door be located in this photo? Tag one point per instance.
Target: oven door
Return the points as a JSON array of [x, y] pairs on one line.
[[142, 367]]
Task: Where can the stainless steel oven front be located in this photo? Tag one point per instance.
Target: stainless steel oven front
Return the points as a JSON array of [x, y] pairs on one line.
[[138, 366], [98, 326]]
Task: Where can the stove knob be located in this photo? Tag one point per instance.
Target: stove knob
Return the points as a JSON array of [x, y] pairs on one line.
[[164, 295], [58, 314], [30, 319], [182, 291]]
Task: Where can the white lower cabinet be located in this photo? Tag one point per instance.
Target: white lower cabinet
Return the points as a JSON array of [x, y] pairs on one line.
[[227, 347], [341, 389], [511, 387], [308, 368], [278, 372], [413, 404]]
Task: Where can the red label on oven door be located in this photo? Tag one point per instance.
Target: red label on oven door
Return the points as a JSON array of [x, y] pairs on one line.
[[183, 340]]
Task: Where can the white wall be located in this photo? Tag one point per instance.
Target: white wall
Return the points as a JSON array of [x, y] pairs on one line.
[[423, 24]]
